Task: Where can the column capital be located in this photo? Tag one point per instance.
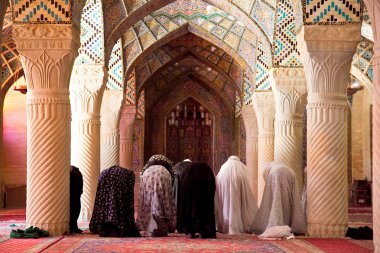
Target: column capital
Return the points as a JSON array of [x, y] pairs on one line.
[[330, 38], [47, 53], [46, 37], [263, 103], [250, 121], [327, 53], [111, 109], [289, 89], [87, 85]]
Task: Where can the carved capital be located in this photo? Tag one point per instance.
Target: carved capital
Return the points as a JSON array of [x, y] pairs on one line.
[[46, 37], [289, 88], [327, 53], [87, 85], [263, 103], [110, 111], [330, 38], [250, 121], [128, 114]]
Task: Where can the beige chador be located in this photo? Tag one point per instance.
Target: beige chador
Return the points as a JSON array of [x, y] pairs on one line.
[[281, 202], [235, 204]]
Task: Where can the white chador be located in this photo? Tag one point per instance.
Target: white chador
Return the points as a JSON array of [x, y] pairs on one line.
[[236, 204]]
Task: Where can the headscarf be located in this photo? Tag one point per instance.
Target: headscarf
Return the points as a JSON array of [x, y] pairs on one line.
[[160, 160]]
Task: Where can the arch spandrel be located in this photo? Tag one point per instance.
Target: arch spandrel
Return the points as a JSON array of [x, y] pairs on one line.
[[361, 66]]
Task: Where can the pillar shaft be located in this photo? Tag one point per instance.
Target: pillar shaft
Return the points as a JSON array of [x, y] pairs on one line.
[[126, 136], [47, 55], [251, 132], [373, 7], [289, 88], [263, 103], [110, 136], [86, 91], [327, 54]]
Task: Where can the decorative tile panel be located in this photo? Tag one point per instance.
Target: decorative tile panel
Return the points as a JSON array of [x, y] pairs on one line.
[[130, 89], [262, 69], [264, 15], [42, 12], [285, 52], [115, 66], [247, 91], [323, 11], [141, 106], [92, 35], [238, 105]]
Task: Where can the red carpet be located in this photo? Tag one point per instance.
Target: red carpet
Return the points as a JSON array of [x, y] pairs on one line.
[[180, 243]]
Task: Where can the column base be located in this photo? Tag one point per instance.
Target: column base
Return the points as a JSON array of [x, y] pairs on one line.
[[85, 214], [54, 229], [326, 231]]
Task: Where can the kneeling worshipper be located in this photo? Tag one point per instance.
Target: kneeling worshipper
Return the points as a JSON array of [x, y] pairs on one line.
[[281, 203], [157, 212], [113, 213], [236, 205], [196, 206], [178, 170], [76, 190]]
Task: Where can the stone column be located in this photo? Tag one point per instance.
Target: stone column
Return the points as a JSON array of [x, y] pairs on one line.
[[263, 103], [86, 91], [110, 138], [373, 7], [327, 52], [126, 136], [47, 54], [251, 132], [289, 88]]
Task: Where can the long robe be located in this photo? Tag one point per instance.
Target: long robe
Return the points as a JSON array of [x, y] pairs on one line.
[[281, 202], [196, 209], [236, 205], [113, 209], [179, 168], [76, 190], [156, 200]]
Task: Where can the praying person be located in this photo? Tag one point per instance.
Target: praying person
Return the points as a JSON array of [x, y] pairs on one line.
[[76, 190], [236, 205]]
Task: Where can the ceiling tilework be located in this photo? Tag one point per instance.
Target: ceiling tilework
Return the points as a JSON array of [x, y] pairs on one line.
[[42, 12], [327, 12], [222, 26], [190, 44], [92, 34], [361, 66], [285, 52], [115, 73], [10, 62], [264, 15]]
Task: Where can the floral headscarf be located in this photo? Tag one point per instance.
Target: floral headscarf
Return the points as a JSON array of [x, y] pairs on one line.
[[160, 160]]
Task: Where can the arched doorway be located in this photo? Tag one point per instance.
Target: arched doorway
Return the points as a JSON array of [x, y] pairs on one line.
[[189, 132]]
